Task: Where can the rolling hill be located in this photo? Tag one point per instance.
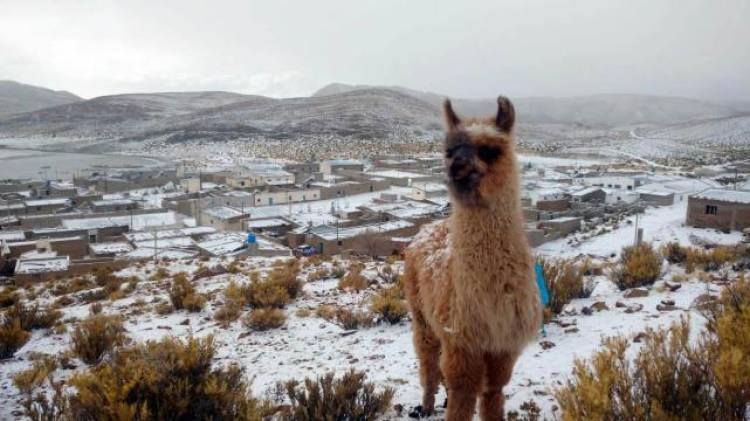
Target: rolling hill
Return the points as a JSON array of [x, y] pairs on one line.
[[18, 98]]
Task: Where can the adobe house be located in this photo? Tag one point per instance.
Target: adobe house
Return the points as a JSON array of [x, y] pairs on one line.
[[720, 209]]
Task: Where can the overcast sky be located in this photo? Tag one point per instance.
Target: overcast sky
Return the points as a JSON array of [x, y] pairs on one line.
[[464, 48]]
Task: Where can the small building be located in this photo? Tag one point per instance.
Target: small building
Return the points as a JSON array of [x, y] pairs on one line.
[[191, 185], [425, 191], [113, 205], [43, 206], [223, 218], [38, 267], [656, 197], [719, 209], [589, 194], [561, 226], [332, 166]]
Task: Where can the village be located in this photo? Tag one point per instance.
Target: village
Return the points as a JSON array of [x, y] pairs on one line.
[[123, 245], [55, 228]]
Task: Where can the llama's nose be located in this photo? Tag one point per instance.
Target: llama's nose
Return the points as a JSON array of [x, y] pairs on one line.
[[460, 166]]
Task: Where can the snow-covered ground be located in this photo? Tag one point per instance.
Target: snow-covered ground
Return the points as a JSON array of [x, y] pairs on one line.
[[309, 346]]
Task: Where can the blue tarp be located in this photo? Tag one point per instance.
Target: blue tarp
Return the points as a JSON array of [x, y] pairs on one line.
[[543, 292]]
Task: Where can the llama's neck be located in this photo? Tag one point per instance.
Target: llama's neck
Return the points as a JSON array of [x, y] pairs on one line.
[[480, 233]]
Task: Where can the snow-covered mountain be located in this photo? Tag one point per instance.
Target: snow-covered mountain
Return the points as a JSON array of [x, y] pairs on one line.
[[608, 110], [20, 98], [370, 113]]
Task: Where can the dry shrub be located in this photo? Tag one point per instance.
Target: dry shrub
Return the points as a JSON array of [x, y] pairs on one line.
[[266, 293], [326, 312], [670, 377], [285, 274], [352, 319], [316, 260], [388, 305], [36, 405], [234, 300], [710, 260], [530, 411], [261, 319], [303, 312], [638, 266], [163, 308], [673, 252], [161, 274], [97, 336], [72, 285], [12, 338], [95, 308], [349, 397], [182, 294], [31, 317], [354, 280], [166, 380], [565, 281], [8, 297], [318, 275]]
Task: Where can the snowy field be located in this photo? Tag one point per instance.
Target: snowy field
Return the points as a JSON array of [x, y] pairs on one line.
[[310, 346]]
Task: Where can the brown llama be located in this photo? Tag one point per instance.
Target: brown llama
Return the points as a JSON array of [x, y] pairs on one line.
[[469, 279]]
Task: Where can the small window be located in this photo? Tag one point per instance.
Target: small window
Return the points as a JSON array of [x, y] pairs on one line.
[[339, 242], [711, 210]]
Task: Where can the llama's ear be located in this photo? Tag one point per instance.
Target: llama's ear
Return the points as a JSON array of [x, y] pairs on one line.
[[451, 119], [506, 114]]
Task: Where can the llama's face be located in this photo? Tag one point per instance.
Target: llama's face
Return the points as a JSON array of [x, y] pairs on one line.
[[478, 154]]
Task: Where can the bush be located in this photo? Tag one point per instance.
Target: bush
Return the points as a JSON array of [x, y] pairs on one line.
[[318, 274], [710, 260], [261, 319], [12, 338], [670, 377], [349, 397], [351, 320], [8, 297], [96, 336], [565, 281], [326, 312], [182, 294], [389, 305], [166, 380], [673, 252], [234, 300], [638, 266], [354, 280], [266, 293], [285, 276], [31, 317]]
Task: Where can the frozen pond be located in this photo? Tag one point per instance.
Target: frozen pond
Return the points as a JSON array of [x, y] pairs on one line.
[[29, 163]]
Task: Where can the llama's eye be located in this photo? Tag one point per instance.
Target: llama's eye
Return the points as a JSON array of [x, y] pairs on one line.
[[489, 153]]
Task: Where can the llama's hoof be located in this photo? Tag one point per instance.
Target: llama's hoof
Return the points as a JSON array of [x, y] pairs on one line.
[[418, 412]]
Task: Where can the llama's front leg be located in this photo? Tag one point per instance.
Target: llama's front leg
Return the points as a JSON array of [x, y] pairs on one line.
[[427, 346], [498, 369], [463, 372]]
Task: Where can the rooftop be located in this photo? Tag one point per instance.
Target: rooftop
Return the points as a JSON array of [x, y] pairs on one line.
[[732, 196]]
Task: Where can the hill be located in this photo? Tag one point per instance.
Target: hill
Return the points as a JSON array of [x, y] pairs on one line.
[[20, 98], [369, 113], [603, 111]]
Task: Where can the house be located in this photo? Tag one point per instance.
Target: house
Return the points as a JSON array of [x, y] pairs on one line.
[[402, 178], [372, 239], [425, 191], [191, 185], [42, 206], [720, 209], [333, 166], [223, 218], [40, 266], [656, 197], [589, 194], [561, 226], [113, 205]]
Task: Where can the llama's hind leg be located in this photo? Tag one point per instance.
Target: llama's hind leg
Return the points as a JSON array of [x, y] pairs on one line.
[[498, 370], [427, 346], [463, 372]]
